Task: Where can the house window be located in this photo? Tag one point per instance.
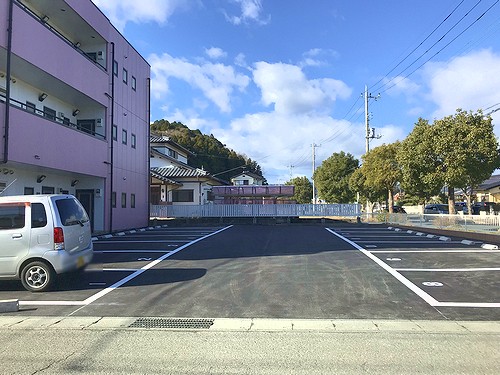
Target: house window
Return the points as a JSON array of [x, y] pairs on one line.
[[124, 136], [114, 133], [125, 76], [132, 140], [124, 200], [49, 113], [30, 107], [132, 200], [134, 83], [115, 68], [183, 196], [172, 153], [113, 199], [29, 191]]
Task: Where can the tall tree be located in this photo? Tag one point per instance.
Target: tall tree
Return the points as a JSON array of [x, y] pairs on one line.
[[419, 161], [382, 171], [303, 189], [367, 194], [332, 178], [468, 151]]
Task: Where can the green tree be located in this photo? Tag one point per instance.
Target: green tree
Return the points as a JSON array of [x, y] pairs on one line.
[[418, 160], [382, 171], [332, 178], [303, 189], [467, 149], [367, 194]]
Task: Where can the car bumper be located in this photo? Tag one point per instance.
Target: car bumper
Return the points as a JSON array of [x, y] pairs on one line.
[[63, 261]]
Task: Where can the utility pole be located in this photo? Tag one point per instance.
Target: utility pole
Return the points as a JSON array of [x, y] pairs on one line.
[[291, 170], [370, 133], [314, 145]]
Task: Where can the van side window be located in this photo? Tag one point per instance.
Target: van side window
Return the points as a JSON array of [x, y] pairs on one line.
[[38, 215], [12, 216]]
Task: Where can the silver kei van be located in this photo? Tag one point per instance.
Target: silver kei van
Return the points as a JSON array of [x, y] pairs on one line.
[[42, 236]]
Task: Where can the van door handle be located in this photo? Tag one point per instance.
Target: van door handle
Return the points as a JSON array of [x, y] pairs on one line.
[[15, 236]]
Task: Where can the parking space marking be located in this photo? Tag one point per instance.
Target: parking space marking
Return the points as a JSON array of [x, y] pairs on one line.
[[130, 251], [418, 291], [415, 289], [435, 251], [446, 269], [119, 283]]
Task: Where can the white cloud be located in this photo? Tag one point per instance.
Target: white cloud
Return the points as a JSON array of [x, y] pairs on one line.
[[216, 81], [215, 53], [287, 87], [122, 11], [469, 82], [278, 140], [251, 11]]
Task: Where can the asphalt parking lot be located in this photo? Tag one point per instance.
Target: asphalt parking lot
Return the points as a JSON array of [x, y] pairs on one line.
[[322, 271]]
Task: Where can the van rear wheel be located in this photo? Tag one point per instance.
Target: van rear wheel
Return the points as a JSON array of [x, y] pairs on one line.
[[37, 277]]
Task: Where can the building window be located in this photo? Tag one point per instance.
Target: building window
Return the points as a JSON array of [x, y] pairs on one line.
[[30, 107], [29, 191], [132, 140], [124, 200], [132, 200], [125, 76], [124, 136], [48, 190], [114, 134], [3, 185], [183, 196], [49, 113], [113, 199], [115, 68], [134, 83]]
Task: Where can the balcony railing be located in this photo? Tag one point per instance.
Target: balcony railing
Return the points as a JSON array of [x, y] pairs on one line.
[[51, 117]]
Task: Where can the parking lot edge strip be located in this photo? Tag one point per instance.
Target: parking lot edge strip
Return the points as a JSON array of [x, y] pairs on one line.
[[435, 251], [468, 304], [446, 269], [125, 280], [415, 289], [51, 303]]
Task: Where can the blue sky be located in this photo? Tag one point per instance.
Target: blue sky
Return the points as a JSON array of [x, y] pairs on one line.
[[269, 78]]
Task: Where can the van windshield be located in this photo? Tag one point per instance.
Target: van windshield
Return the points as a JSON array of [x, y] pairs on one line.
[[71, 212]]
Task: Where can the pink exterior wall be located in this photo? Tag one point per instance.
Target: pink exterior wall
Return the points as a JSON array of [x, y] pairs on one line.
[[66, 149]]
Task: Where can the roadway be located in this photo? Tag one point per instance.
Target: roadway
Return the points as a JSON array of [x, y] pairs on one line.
[[323, 298]]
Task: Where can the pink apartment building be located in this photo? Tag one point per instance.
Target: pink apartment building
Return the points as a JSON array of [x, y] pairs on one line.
[[74, 110]]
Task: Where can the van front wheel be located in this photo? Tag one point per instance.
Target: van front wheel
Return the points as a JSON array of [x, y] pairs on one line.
[[37, 277]]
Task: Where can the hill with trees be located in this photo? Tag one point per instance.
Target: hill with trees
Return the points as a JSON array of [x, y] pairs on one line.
[[209, 153]]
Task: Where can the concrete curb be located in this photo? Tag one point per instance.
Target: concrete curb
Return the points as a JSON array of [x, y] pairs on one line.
[[263, 325], [9, 305]]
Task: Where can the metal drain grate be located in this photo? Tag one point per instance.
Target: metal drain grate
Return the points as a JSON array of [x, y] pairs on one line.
[[172, 323]]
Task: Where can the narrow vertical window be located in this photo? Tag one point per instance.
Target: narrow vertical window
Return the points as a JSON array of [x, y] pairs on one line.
[[134, 83], [132, 140], [132, 200], [115, 133], [125, 76], [113, 199], [124, 200], [115, 68], [124, 136]]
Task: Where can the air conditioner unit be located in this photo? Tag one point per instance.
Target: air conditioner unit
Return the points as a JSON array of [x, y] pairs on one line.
[[98, 122], [100, 55]]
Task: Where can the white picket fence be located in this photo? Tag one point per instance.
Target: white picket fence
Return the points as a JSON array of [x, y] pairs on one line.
[[255, 210]]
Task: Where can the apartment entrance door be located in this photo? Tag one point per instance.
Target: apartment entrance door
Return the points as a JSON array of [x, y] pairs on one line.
[[86, 198]]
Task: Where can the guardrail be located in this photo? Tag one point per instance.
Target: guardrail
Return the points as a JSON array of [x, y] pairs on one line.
[[472, 223], [255, 210]]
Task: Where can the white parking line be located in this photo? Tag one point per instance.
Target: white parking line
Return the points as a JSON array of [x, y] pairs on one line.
[[119, 283], [445, 269], [419, 292], [415, 289], [435, 251], [130, 251]]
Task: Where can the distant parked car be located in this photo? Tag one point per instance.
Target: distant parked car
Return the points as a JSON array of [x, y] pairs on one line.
[[436, 209], [396, 210], [487, 207]]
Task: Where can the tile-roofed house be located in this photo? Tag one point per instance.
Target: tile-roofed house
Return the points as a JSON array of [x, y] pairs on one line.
[[173, 180]]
